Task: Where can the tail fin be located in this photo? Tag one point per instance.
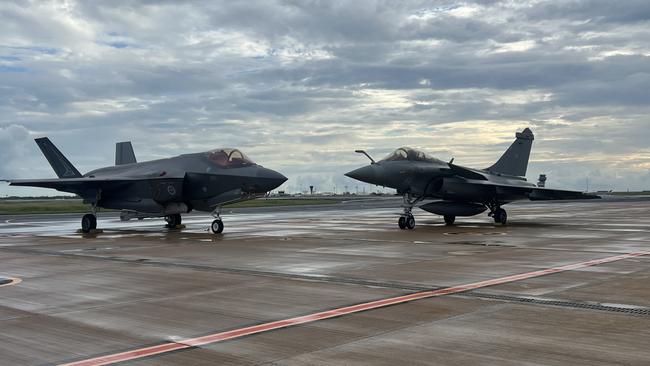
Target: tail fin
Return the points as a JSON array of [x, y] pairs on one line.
[[515, 160], [124, 153], [61, 165]]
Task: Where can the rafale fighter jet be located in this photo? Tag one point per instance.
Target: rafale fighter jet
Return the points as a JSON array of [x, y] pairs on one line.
[[460, 191], [160, 188]]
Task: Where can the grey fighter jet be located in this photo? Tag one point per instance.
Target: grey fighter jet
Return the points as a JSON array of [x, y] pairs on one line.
[[160, 188], [459, 191]]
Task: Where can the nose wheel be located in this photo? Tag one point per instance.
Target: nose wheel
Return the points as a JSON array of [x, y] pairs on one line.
[[217, 226], [406, 222]]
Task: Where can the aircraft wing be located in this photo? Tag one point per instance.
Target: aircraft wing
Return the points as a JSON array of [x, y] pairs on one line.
[[77, 185], [533, 193], [540, 194]]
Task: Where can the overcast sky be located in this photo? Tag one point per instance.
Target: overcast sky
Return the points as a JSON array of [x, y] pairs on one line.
[[299, 85]]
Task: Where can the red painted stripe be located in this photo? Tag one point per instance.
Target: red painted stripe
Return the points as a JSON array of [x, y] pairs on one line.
[[255, 329]]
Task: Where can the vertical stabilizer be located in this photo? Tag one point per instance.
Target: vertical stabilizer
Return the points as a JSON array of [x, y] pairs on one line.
[[124, 153], [515, 160], [62, 166]]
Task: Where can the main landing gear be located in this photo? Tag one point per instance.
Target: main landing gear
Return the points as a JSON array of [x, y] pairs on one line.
[[88, 223], [173, 221], [406, 220], [500, 216], [497, 213], [449, 219], [217, 224]]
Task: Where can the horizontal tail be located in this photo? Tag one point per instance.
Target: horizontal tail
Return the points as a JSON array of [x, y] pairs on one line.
[[514, 161], [124, 153], [62, 166]]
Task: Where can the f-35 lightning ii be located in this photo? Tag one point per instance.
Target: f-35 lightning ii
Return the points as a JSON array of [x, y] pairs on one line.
[[460, 191], [160, 188]]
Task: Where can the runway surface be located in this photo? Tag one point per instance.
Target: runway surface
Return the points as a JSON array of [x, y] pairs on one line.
[[562, 283]]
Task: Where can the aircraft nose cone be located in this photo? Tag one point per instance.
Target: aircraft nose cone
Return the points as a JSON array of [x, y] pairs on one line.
[[270, 179], [366, 174]]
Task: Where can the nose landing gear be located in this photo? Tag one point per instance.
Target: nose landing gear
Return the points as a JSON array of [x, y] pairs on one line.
[[406, 220], [217, 224]]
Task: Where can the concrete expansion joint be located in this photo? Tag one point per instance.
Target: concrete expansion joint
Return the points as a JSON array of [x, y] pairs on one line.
[[221, 336], [590, 305]]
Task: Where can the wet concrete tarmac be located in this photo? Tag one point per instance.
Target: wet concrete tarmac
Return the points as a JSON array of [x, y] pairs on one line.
[[137, 285]]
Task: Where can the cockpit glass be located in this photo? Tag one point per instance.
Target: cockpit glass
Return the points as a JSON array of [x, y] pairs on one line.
[[229, 158], [399, 154], [406, 153]]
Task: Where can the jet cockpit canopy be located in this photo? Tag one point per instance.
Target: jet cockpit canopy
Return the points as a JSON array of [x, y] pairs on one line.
[[407, 153], [228, 158]]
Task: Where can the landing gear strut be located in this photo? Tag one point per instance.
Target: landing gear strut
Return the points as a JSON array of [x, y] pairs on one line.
[[217, 224], [406, 220], [497, 213], [173, 221]]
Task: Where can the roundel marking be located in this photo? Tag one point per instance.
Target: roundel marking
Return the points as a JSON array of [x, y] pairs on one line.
[[171, 190]]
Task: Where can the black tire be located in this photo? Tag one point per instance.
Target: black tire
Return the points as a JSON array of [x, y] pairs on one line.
[[410, 222], [504, 217], [173, 220], [88, 222], [449, 219], [217, 226], [500, 216], [401, 222]]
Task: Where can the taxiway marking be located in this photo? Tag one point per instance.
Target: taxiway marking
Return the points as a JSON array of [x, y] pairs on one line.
[[261, 328]]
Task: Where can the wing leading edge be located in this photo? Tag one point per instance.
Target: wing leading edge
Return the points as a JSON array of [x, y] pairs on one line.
[[75, 185], [542, 194], [534, 193]]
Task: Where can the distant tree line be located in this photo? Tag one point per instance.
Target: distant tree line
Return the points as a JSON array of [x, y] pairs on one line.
[[13, 198]]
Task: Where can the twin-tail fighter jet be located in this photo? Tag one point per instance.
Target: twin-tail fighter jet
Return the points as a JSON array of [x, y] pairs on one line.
[[459, 191], [160, 188]]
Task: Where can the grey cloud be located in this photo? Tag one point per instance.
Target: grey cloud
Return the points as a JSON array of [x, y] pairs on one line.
[[13, 139], [594, 10], [299, 85]]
